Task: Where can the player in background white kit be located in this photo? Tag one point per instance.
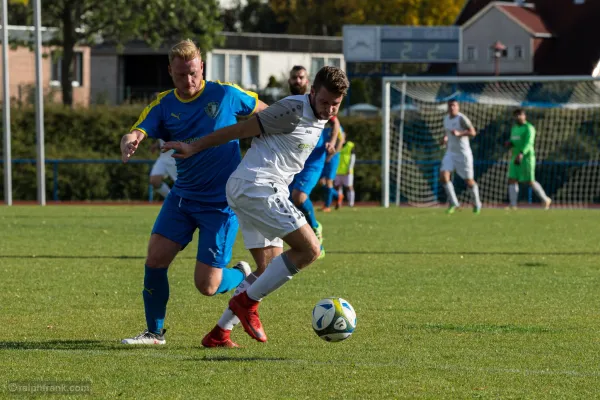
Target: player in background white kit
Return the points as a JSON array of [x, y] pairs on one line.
[[164, 165], [283, 135], [458, 130]]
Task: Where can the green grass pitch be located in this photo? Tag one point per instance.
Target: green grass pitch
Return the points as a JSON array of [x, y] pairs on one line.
[[500, 305]]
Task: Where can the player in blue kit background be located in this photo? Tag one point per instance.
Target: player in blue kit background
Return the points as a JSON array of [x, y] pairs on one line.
[[330, 171], [194, 109], [306, 180]]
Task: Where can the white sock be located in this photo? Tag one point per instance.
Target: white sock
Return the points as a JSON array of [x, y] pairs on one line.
[[475, 193], [351, 198], [228, 319], [278, 272], [449, 187], [513, 194], [539, 190], [163, 190]]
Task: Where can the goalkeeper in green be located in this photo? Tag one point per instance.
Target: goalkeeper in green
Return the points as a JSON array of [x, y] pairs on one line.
[[522, 165]]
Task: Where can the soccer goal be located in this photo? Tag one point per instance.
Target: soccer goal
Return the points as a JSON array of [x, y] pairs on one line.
[[564, 110]]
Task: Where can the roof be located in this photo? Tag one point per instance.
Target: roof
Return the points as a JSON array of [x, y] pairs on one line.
[[524, 15], [527, 17]]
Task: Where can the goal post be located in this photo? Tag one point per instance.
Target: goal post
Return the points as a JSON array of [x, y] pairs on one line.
[[564, 110]]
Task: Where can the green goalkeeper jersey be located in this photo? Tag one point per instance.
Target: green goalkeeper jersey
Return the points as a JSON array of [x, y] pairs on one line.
[[522, 138]]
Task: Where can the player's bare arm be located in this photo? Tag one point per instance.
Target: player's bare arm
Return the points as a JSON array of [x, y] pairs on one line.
[[244, 129], [130, 143], [470, 132], [261, 106], [334, 145]]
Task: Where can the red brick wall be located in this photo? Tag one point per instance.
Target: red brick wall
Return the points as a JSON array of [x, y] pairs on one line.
[[21, 63]]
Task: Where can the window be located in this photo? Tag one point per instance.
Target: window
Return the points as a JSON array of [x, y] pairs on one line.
[[316, 63], [251, 72], [76, 70], [218, 67], [492, 54], [235, 68], [334, 62], [519, 53], [579, 1], [470, 53]]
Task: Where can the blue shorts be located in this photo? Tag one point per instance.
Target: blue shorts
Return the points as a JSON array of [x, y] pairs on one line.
[[330, 169], [306, 180], [179, 218]]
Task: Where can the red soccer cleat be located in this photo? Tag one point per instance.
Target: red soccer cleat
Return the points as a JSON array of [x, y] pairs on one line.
[[246, 310], [218, 337], [339, 201]]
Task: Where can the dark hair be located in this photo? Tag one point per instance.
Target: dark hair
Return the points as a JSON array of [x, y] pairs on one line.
[[333, 79], [452, 101], [296, 68], [518, 111]]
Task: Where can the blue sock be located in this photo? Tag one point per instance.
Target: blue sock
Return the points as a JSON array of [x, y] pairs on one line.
[[334, 193], [326, 197], [331, 193], [232, 277], [309, 213], [156, 296]]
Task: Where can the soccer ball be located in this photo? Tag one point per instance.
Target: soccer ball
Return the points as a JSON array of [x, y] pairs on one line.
[[333, 319]]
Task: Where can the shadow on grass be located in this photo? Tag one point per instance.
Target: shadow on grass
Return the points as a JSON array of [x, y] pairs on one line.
[[64, 345], [534, 264], [354, 252], [467, 253], [235, 359], [483, 328]]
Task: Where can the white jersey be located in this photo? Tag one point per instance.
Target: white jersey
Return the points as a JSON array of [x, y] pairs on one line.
[[166, 155], [290, 131], [457, 145]]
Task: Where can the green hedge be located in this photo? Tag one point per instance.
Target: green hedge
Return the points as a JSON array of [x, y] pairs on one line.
[[94, 133]]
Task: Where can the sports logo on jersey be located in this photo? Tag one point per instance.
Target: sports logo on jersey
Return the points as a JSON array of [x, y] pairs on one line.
[[305, 147], [178, 116], [212, 109]]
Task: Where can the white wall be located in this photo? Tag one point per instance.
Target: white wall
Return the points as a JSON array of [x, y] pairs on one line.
[[277, 64]]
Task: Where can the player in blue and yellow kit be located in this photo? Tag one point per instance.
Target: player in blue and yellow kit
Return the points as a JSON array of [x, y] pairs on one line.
[[195, 108], [330, 171]]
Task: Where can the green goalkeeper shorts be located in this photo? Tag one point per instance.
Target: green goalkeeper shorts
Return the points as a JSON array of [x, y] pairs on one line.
[[525, 172]]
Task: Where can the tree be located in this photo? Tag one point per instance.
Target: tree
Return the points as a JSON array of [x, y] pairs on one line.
[[327, 17], [255, 16], [156, 22]]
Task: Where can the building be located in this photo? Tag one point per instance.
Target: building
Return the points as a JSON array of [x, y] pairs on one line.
[[541, 37], [519, 28], [21, 62], [248, 59]]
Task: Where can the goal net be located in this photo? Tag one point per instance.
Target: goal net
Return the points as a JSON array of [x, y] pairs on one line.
[[565, 112]]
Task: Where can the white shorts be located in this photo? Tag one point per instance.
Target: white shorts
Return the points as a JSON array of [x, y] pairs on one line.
[[165, 165], [264, 212], [461, 163], [344, 180]]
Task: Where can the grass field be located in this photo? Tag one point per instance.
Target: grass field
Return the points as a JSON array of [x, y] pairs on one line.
[[501, 305]]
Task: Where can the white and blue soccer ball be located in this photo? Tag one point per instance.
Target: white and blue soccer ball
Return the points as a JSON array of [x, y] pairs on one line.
[[333, 319]]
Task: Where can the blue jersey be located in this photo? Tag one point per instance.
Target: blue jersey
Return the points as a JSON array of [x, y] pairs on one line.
[[203, 176], [316, 159]]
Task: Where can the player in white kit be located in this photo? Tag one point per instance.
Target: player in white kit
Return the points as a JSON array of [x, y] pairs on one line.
[[458, 130], [284, 135], [164, 165]]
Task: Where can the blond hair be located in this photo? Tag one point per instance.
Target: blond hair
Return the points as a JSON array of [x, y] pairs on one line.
[[186, 50]]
